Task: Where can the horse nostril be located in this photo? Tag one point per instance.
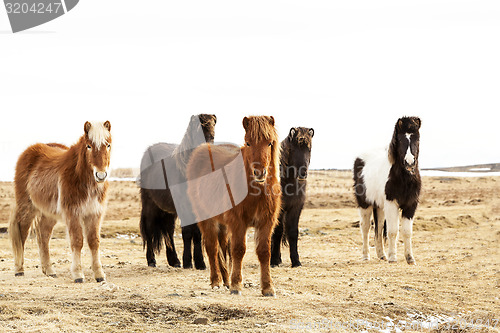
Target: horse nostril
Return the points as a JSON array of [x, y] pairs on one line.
[[255, 172], [264, 172]]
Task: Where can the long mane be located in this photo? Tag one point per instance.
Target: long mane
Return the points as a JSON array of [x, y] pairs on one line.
[[183, 151]]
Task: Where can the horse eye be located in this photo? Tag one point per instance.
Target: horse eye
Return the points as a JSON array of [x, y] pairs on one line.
[[89, 147], [270, 144], [109, 146], [248, 144]]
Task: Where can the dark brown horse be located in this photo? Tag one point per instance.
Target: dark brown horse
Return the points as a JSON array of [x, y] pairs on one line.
[[295, 158], [54, 182], [159, 213], [260, 208]]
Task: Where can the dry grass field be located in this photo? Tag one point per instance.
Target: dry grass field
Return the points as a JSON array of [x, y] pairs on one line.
[[454, 287]]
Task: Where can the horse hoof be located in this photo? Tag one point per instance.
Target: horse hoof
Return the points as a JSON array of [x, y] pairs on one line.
[[411, 261], [365, 258], [297, 264], [274, 265], [383, 258], [53, 276], [268, 293], [200, 266], [99, 279], [187, 266], [176, 265], [79, 280], [236, 292], [19, 274], [151, 264], [393, 261]]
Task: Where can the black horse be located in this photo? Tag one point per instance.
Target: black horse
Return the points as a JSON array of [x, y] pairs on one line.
[[295, 158], [159, 212]]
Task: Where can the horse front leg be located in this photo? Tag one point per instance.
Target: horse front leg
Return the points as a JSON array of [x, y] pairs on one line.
[[209, 230], [93, 229], [263, 249], [292, 232], [76, 243], [276, 241], [238, 249]]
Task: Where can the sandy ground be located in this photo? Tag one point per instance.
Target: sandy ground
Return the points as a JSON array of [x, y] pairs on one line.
[[454, 287]]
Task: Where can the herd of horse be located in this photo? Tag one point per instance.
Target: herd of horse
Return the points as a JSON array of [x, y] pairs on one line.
[[55, 182]]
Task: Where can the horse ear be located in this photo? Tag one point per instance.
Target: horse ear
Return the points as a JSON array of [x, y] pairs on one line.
[[400, 124], [87, 127], [107, 125], [311, 132], [215, 119], [418, 122], [245, 123], [292, 133], [271, 120]]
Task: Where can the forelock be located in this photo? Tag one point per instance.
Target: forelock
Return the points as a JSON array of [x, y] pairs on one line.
[[98, 134]]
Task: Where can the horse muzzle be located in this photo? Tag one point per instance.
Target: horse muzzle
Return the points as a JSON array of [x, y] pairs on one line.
[[100, 176], [259, 176]]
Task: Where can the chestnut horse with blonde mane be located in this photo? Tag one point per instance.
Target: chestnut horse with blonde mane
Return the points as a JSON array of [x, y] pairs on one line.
[[54, 182], [259, 209]]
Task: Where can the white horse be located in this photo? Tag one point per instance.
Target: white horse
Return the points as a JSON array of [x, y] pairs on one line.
[[387, 182]]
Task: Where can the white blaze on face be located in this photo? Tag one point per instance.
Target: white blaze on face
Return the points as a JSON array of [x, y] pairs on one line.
[[409, 158]]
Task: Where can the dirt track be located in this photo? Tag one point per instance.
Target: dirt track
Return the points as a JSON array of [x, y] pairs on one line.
[[456, 245]]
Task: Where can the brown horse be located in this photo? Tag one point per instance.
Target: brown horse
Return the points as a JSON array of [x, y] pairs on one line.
[[54, 182], [260, 208]]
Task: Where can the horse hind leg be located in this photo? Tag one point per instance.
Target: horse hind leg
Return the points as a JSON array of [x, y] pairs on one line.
[[19, 226], [365, 224], [44, 229]]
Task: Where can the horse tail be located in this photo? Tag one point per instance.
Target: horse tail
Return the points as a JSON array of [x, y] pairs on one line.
[[154, 224], [15, 234]]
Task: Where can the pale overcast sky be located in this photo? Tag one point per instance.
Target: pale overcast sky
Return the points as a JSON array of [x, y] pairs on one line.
[[348, 69]]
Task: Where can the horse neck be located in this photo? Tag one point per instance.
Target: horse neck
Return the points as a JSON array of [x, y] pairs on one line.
[[183, 151]]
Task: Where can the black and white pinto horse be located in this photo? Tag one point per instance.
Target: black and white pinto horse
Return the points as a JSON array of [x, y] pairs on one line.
[[159, 213], [294, 164], [386, 183]]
